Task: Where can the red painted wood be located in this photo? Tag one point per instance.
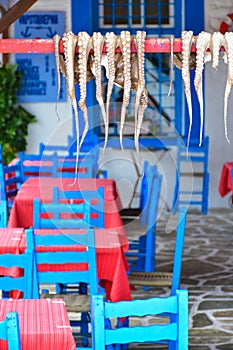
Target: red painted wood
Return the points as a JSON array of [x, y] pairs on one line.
[[46, 45]]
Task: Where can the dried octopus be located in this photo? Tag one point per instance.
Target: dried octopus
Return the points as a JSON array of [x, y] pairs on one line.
[[229, 59], [124, 69], [187, 40], [202, 44]]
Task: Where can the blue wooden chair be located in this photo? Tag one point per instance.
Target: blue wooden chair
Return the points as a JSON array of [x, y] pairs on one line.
[[95, 198], [33, 165], [13, 181], [3, 200], [60, 256], [174, 331], [9, 331], [197, 156], [61, 215], [20, 280], [146, 180], [141, 254], [160, 278], [10, 183], [66, 168]]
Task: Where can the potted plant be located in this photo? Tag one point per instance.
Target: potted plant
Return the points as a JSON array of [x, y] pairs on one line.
[[14, 119]]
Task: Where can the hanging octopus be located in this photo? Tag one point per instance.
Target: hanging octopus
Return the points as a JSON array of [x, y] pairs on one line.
[[141, 99], [187, 40], [122, 69], [97, 44], [69, 42], [125, 45], [229, 83], [217, 41], [202, 44], [111, 41], [84, 47]]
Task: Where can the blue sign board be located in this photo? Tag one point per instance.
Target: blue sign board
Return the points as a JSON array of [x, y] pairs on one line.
[[39, 83]]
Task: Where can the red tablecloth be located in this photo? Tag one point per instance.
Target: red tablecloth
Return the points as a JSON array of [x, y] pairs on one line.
[[226, 181], [10, 240], [22, 212], [111, 261], [44, 324]]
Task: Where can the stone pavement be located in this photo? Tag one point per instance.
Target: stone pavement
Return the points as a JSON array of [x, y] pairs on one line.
[[207, 273]]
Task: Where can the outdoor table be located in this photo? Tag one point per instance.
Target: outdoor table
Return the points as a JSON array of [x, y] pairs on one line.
[[226, 181], [111, 262], [10, 240], [44, 323], [22, 212]]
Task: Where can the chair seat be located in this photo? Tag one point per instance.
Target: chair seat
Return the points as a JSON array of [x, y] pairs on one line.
[[151, 279], [73, 302]]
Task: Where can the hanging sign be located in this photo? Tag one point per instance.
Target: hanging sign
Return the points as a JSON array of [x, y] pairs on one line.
[[39, 83]]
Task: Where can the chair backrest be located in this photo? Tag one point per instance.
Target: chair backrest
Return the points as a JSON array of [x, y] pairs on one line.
[[13, 181], [15, 278], [175, 331], [58, 248], [150, 172], [61, 215], [9, 331], [178, 252], [94, 197], [33, 165], [193, 153], [3, 200], [67, 167]]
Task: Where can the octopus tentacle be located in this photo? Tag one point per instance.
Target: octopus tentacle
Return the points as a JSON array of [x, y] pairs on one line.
[[125, 44], [229, 83], [171, 37], [111, 42], [98, 42], [69, 42], [56, 42], [187, 39], [202, 43], [84, 46], [217, 40], [140, 101], [141, 110]]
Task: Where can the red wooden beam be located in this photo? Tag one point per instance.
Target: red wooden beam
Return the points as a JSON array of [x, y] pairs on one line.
[[46, 45]]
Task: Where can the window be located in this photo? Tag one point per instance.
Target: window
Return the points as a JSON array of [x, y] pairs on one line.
[[135, 13]]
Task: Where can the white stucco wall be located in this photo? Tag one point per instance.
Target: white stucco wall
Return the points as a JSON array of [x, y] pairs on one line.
[[215, 81]]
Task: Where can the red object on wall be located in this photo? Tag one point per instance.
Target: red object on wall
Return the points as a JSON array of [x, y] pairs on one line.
[[227, 24]]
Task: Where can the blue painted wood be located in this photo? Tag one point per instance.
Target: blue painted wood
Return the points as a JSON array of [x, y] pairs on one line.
[[175, 332], [195, 21], [74, 277], [198, 155], [3, 200], [9, 331], [94, 198], [42, 257], [67, 168], [22, 283], [61, 215], [31, 167], [13, 180], [178, 252], [141, 254]]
